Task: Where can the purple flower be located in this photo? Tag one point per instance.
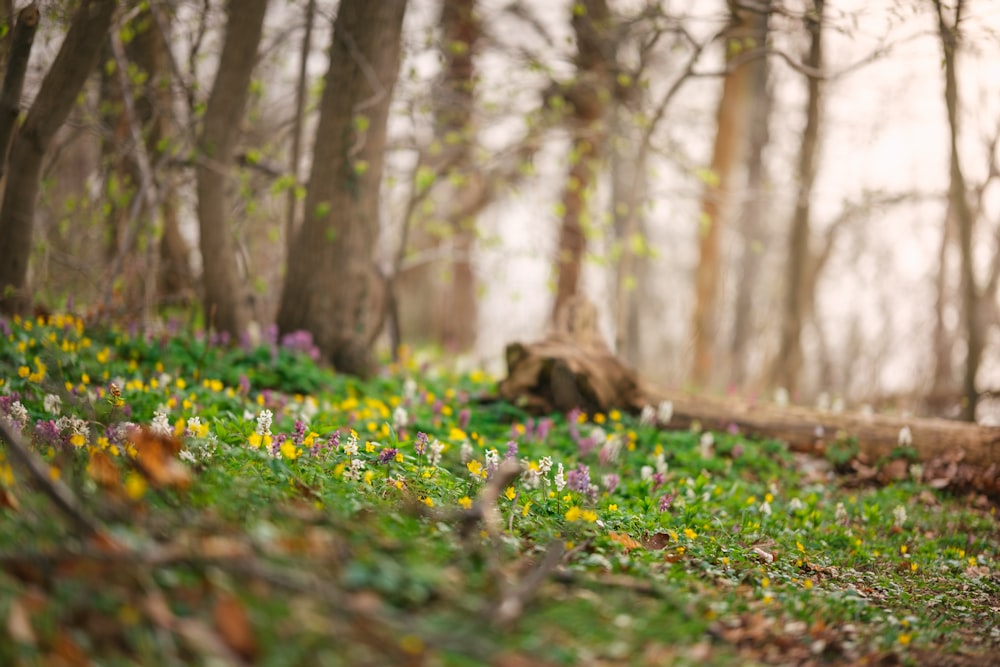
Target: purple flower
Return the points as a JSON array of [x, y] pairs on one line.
[[300, 433], [276, 444], [572, 421], [244, 385], [611, 481], [463, 418], [387, 455], [511, 450], [421, 443], [543, 428], [666, 500], [658, 479], [586, 446], [579, 479], [48, 433]]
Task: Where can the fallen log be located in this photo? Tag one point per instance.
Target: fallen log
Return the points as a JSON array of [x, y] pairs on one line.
[[572, 368]]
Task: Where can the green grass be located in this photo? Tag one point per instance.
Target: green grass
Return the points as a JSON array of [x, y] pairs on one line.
[[681, 551]]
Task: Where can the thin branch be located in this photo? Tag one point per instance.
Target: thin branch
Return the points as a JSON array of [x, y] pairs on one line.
[[57, 491]]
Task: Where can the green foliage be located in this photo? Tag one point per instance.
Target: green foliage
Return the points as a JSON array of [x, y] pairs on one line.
[[310, 495]]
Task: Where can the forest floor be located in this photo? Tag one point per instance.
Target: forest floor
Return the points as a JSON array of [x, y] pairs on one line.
[[269, 512]]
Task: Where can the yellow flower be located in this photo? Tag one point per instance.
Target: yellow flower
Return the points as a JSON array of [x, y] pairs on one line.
[[913, 567], [599, 418], [590, 516], [615, 415], [751, 500], [613, 507], [527, 506], [428, 501], [903, 549], [690, 534], [768, 498], [135, 486], [511, 493], [457, 434], [798, 545], [78, 440], [289, 450], [905, 639], [476, 468], [574, 513], [465, 502], [369, 476], [369, 446], [24, 371]]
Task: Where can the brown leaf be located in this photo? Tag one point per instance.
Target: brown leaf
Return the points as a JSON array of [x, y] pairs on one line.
[[66, 652], [8, 500], [104, 471], [233, 624], [156, 458], [896, 470], [657, 541], [624, 540], [19, 624]]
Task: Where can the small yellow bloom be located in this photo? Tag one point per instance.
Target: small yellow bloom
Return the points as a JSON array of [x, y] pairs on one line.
[[181, 384], [369, 446], [24, 371], [573, 513], [369, 476], [913, 567], [613, 507], [511, 493], [78, 440], [135, 485], [751, 500], [615, 415], [798, 545], [904, 639], [290, 451], [903, 549], [457, 434], [768, 498], [428, 501], [599, 418], [765, 582], [527, 506], [590, 516], [690, 534], [465, 502]]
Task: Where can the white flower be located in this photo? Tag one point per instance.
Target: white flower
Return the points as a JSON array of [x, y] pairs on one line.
[[898, 516], [351, 446], [560, 478], [52, 404], [545, 465], [648, 415], [410, 389], [765, 508], [838, 405], [664, 413], [465, 452], [661, 463], [492, 457], [399, 417], [160, 424], [706, 444], [354, 471], [435, 449], [530, 478], [905, 437], [597, 435], [840, 513], [612, 448], [264, 421], [186, 455], [796, 505], [646, 473]]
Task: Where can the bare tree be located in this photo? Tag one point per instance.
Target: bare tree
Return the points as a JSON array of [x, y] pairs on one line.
[[730, 144], [224, 299], [750, 222], [959, 205], [329, 283], [588, 98], [798, 281], [63, 82]]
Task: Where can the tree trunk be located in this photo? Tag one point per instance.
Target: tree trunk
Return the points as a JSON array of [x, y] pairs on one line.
[[731, 123], [963, 215], [751, 222], [13, 81], [292, 199], [225, 299], [588, 98], [77, 57], [329, 281], [437, 298], [798, 296], [943, 390]]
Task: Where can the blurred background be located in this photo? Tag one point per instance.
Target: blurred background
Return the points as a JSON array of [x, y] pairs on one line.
[[759, 196]]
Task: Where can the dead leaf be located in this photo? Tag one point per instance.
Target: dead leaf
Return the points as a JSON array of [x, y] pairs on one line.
[[624, 540], [233, 624], [895, 471], [67, 652], [156, 458], [657, 541], [104, 471], [764, 556], [19, 624], [8, 500]]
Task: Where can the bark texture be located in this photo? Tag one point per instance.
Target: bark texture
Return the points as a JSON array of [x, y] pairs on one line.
[[798, 295], [750, 222], [964, 217], [74, 62], [225, 298], [330, 280], [730, 144], [13, 81], [588, 98]]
